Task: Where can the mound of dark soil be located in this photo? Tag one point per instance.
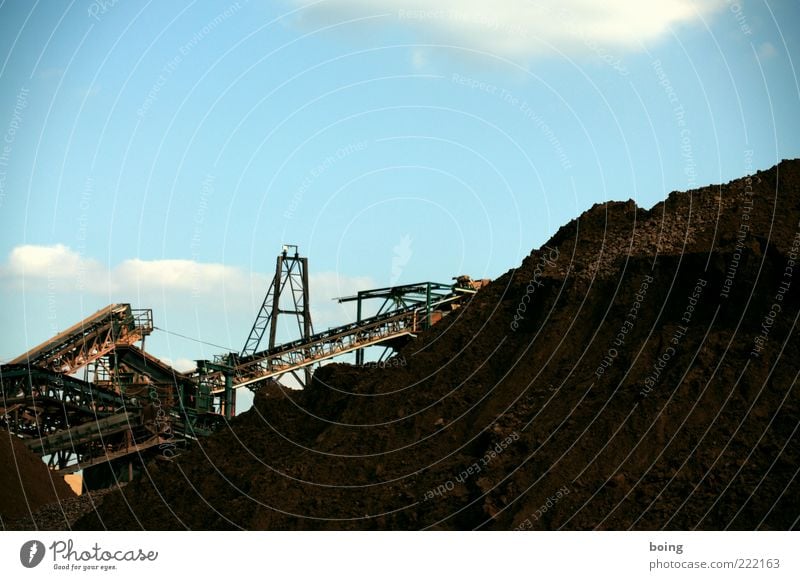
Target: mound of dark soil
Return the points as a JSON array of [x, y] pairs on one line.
[[638, 372], [26, 484]]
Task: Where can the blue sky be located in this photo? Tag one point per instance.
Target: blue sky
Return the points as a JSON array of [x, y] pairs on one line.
[[160, 153]]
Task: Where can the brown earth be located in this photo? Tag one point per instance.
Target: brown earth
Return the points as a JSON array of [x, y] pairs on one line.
[[60, 515], [536, 406], [26, 484]]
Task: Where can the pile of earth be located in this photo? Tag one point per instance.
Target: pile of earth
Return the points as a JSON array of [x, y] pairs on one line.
[[61, 515], [26, 484], [637, 372]]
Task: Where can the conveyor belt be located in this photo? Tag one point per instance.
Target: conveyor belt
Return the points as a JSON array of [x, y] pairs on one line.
[[146, 364], [83, 434], [90, 339], [324, 345]]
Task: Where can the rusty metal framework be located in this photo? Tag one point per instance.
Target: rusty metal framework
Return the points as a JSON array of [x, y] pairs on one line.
[[90, 339], [68, 421], [38, 402], [75, 423]]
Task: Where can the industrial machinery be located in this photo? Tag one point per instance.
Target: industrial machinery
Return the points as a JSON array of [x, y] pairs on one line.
[[130, 407], [465, 282]]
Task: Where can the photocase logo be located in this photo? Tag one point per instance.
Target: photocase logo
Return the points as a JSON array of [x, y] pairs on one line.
[[31, 553]]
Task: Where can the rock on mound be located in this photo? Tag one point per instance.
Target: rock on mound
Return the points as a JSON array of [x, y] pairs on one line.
[[26, 484], [638, 372]]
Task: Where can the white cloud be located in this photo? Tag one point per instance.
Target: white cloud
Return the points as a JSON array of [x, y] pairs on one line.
[[523, 28], [42, 261], [182, 365], [61, 270], [51, 263], [178, 275]]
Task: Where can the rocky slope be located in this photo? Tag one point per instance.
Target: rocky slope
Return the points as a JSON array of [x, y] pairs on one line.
[[637, 372]]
